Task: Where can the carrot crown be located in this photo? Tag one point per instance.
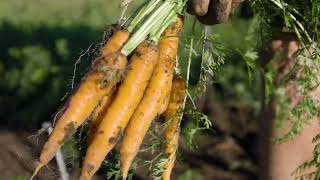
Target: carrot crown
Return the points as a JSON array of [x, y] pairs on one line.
[[154, 24]]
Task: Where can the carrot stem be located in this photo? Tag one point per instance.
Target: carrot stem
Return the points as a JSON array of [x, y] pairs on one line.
[[156, 33], [147, 27], [145, 10]]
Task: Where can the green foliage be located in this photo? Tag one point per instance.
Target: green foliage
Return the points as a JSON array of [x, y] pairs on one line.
[[240, 75], [300, 16], [214, 55], [114, 172], [158, 168], [250, 58], [70, 151], [37, 66], [260, 32], [111, 167], [281, 110], [200, 122]]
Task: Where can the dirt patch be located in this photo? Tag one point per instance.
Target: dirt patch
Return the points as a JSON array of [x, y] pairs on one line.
[[18, 157], [19, 153]]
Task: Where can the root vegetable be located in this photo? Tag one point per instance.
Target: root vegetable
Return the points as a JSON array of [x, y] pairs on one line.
[[156, 92], [172, 131], [127, 99], [87, 96], [98, 115]]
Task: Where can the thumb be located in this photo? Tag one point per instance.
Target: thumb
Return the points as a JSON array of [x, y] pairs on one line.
[[198, 7]]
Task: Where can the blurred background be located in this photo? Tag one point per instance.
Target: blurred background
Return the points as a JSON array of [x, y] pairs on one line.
[[46, 47]]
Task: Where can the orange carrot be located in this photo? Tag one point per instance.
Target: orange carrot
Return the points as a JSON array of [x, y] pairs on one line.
[[98, 114], [127, 99], [155, 94], [172, 117], [171, 150], [164, 106], [115, 42], [87, 96]]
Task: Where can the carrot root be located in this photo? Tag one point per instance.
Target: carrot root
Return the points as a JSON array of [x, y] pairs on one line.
[[154, 97], [98, 114], [173, 118], [91, 90], [171, 151], [35, 172], [127, 99]]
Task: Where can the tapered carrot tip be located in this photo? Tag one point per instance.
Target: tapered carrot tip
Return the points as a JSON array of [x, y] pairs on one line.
[[125, 164], [124, 174], [36, 171], [124, 171]]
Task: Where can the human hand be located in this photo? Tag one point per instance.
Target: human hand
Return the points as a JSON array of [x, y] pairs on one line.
[[212, 12]]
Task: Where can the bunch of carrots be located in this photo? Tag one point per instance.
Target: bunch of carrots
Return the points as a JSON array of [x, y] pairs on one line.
[[123, 97]]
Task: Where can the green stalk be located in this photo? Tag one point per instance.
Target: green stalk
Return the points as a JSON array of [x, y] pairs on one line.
[[187, 84], [279, 4], [188, 73], [145, 10], [147, 27], [172, 16], [155, 35]]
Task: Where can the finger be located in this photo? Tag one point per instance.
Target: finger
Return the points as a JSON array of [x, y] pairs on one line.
[[218, 12], [198, 7]]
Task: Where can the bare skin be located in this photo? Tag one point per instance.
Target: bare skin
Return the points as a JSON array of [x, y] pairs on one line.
[[283, 159], [212, 12]]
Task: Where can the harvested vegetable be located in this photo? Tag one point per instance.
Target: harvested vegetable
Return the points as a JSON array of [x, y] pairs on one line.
[[127, 49], [173, 117], [156, 92], [88, 95], [116, 42], [98, 115], [127, 99], [98, 83], [164, 106], [110, 103]]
